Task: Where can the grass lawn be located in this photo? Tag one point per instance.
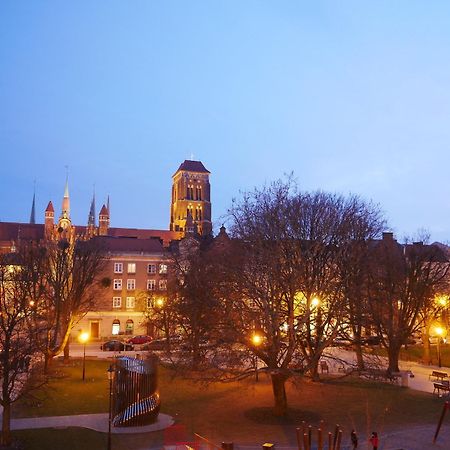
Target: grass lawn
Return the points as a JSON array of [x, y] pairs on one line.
[[239, 412]]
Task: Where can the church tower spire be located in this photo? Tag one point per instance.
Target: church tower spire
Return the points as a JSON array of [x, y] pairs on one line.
[[33, 209], [66, 200], [91, 217]]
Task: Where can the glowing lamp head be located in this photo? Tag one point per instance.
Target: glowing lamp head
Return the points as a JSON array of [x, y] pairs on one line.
[[315, 302], [84, 337], [256, 339], [159, 302], [442, 300], [439, 331]]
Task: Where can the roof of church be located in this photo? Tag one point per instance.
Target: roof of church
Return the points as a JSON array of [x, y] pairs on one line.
[[104, 211], [132, 245], [140, 233], [9, 231], [50, 207], [193, 166]]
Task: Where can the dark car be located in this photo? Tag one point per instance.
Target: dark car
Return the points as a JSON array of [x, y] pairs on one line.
[[115, 346], [138, 340]]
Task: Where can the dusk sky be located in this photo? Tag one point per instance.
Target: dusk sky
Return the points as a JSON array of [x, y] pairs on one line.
[[352, 96]]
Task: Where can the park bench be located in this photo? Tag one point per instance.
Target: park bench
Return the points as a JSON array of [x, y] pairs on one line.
[[381, 375], [441, 388], [438, 376]]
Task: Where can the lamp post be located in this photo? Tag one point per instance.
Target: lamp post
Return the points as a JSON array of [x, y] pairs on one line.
[[256, 341], [111, 373], [439, 332], [83, 338]]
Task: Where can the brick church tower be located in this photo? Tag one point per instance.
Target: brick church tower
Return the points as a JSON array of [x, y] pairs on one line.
[[190, 210]]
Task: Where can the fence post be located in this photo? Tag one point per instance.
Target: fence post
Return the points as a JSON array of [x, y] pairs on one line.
[[319, 439], [299, 438]]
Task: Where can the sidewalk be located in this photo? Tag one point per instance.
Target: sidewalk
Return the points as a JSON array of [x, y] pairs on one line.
[[97, 422]]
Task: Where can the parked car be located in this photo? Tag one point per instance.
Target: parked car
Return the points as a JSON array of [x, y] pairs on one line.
[[371, 340], [115, 346], [140, 339]]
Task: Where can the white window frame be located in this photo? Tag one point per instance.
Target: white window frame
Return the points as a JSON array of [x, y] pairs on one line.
[[131, 284], [118, 267], [163, 268], [117, 302], [131, 268], [131, 302], [151, 285], [150, 302], [151, 268], [162, 285], [117, 284]]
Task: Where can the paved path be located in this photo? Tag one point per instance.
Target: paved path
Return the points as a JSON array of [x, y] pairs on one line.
[[97, 422]]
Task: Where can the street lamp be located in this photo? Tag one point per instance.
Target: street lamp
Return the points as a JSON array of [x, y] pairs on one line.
[[111, 372], [256, 341], [440, 331], [83, 338]]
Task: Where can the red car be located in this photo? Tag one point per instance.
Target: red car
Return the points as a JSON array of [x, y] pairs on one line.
[[141, 339]]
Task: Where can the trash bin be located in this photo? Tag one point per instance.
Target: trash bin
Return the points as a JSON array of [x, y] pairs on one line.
[[405, 378]]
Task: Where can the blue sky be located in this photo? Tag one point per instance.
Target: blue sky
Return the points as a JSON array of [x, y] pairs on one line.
[[352, 96]]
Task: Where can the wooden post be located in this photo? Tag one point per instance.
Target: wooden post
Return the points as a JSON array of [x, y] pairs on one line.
[[305, 441], [319, 439], [339, 439], [444, 410], [299, 438], [336, 431], [330, 441]]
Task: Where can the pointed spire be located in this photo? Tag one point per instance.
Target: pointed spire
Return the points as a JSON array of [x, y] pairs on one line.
[[66, 199], [107, 206], [91, 218], [33, 208]]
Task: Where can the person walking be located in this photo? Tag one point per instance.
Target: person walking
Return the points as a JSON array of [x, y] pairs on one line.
[[354, 439], [374, 440]]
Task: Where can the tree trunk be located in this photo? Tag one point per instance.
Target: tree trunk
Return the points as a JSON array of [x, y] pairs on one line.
[[6, 425], [359, 356], [279, 393], [67, 353], [315, 371], [393, 355], [426, 356]]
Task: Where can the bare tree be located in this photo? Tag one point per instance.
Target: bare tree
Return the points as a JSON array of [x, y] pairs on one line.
[[20, 286], [285, 280], [403, 281], [72, 280]]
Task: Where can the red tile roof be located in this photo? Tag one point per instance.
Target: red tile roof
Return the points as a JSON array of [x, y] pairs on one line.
[[165, 235], [193, 166], [9, 231], [130, 245], [50, 207]]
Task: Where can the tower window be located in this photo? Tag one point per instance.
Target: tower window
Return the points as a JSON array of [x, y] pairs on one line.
[[198, 192]]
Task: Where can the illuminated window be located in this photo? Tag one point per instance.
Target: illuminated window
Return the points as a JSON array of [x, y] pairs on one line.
[[163, 268], [131, 267], [115, 327], [151, 285], [118, 267], [151, 268], [130, 302], [131, 284], [117, 284], [198, 192], [162, 285], [117, 302], [149, 302], [129, 327]]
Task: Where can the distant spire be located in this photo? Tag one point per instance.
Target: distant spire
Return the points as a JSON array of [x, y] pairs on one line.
[[66, 199], [33, 206], [107, 207], [91, 218]]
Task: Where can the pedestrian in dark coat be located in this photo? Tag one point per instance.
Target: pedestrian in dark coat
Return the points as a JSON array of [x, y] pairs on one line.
[[374, 440], [354, 439]]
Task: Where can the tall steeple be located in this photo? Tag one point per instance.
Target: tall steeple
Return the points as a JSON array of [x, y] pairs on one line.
[[33, 209], [91, 218], [66, 201]]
